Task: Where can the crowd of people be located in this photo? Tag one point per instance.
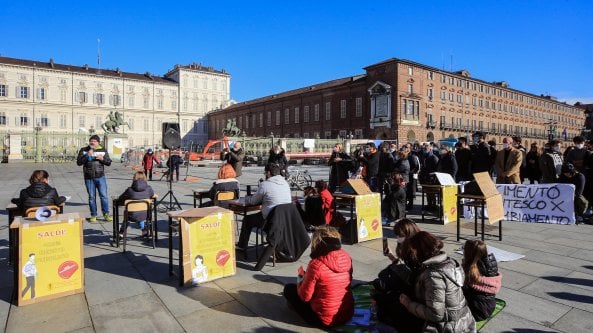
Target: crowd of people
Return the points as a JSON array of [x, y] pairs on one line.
[[422, 289]]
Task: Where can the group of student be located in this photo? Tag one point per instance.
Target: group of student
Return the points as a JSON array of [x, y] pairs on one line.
[[421, 290]]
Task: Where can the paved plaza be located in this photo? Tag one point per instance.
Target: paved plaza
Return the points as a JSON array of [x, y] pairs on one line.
[[550, 290]]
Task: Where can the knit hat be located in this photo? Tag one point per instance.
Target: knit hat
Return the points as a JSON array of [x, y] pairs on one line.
[[95, 137]]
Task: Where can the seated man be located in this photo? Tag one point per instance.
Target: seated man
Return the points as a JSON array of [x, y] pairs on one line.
[[270, 193]]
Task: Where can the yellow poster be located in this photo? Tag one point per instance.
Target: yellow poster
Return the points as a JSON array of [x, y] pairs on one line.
[[211, 247], [368, 217], [449, 204], [51, 261]]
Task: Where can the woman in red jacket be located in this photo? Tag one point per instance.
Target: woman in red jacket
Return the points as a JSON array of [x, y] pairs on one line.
[[324, 296]]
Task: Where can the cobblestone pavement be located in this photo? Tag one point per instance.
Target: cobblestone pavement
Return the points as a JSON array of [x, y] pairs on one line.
[[550, 290]]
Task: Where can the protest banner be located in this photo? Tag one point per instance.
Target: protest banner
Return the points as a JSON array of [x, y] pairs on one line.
[[368, 217], [538, 203]]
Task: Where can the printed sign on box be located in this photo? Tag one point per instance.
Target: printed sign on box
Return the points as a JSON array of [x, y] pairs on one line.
[[208, 244], [368, 217], [51, 263]]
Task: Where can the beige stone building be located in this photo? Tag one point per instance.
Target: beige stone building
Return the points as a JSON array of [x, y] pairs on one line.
[[72, 99]]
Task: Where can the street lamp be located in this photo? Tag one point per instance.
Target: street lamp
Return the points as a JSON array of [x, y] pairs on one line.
[[37, 129]]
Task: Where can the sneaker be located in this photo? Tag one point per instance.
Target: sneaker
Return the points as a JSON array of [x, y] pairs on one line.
[[107, 218], [93, 219]]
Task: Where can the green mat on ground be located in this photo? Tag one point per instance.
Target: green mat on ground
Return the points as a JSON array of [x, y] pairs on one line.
[[362, 323], [500, 304]]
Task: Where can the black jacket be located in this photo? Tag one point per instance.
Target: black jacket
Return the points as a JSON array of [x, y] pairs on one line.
[[448, 164], [38, 195], [429, 165], [482, 159], [463, 156], [386, 163], [138, 191], [225, 185], [394, 203], [286, 231], [91, 166], [338, 172], [279, 158], [402, 166], [235, 158], [372, 165]]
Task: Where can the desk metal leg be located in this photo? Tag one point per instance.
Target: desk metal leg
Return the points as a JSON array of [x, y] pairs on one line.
[[170, 246], [155, 221], [422, 207], [483, 219], [195, 202], [500, 230], [475, 220], [458, 218]]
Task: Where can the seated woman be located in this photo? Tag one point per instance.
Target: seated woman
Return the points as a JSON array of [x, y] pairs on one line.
[[437, 290], [312, 214], [39, 193], [482, 279], [226, 182], [394, 203], [394, 280], [324, 296], [327, 200], [138, 191]]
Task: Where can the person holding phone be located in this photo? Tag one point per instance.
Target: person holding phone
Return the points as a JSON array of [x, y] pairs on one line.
[[93, 159], [324, 296]]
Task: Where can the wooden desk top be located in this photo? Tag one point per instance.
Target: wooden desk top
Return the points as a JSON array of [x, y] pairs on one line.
[[344, 195], [59, 218], [239, 206], [201, 192]]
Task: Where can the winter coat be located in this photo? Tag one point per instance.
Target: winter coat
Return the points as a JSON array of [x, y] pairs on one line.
[[386, 163], [429, 165], [148, 159], [578, 157], [326, 286], [235, 158], [448, 164], [532, 166], [439, 297], [480, 296], [509, 172], [482, 158], [279, 159], [328, 205], [578, 180], [270, 193], [394, 203], [138, 191], [38, 195], [338, 172], [92, 168], [371, 164], [402, 166], [463, 156], [550, 165], [174, 161]]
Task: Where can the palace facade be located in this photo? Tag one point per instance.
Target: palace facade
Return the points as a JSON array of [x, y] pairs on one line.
[[404, 101], [73, 99]]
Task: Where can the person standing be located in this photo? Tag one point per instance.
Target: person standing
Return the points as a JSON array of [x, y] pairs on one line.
[[447, 162], [278, 156], [370, 162], [235, 157], [340, 163], [482, 158], [517, 144], [508, 163], [173, 164], [414, 163], [93, 159], [533, 172], [149, 161], [429, 164], [578, 155], [463, 156], [550, 163]]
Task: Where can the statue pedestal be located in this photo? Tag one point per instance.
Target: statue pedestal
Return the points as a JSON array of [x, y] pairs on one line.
[[116, 145], [15, 148]]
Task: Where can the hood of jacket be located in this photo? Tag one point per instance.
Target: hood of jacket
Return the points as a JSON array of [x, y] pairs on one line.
[[277, 180], [139, 185], [448, 266], [337, 261], [38, 190]]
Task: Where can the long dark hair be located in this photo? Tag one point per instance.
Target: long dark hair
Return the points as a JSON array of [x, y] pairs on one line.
[[473, 251], [420, 247]]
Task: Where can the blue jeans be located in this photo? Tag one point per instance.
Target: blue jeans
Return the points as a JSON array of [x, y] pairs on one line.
[[92, 185]]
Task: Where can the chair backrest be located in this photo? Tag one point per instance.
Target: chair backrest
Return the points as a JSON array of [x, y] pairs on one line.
[[30, 212], [225, 195], [138, 205]]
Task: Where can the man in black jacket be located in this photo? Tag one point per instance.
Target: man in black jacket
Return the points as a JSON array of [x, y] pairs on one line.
[[93, 159], [235, 157], [482, 159]]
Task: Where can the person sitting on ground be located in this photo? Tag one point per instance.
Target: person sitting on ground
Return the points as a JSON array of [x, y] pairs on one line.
[[328, 200], [324, 296], [570, 175], [482, 279], [139, 190], [437, 290], [394, 203], [226, 182], [312, 214], [270, 193], [39, 193], [394, 280]]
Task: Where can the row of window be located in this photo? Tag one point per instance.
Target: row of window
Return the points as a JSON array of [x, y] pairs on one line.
[[497, 127], [296, 114]]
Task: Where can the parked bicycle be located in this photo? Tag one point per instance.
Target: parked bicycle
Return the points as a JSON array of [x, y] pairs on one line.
[[299, 178]]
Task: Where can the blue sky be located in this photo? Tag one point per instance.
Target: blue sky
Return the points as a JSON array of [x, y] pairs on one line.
[[542, 47]]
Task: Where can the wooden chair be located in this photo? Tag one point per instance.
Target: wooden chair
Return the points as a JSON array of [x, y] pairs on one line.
[[30, 212], [224, 196], [137, 206]]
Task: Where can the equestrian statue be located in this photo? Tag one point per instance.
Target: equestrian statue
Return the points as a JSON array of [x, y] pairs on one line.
[[116, 119]]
